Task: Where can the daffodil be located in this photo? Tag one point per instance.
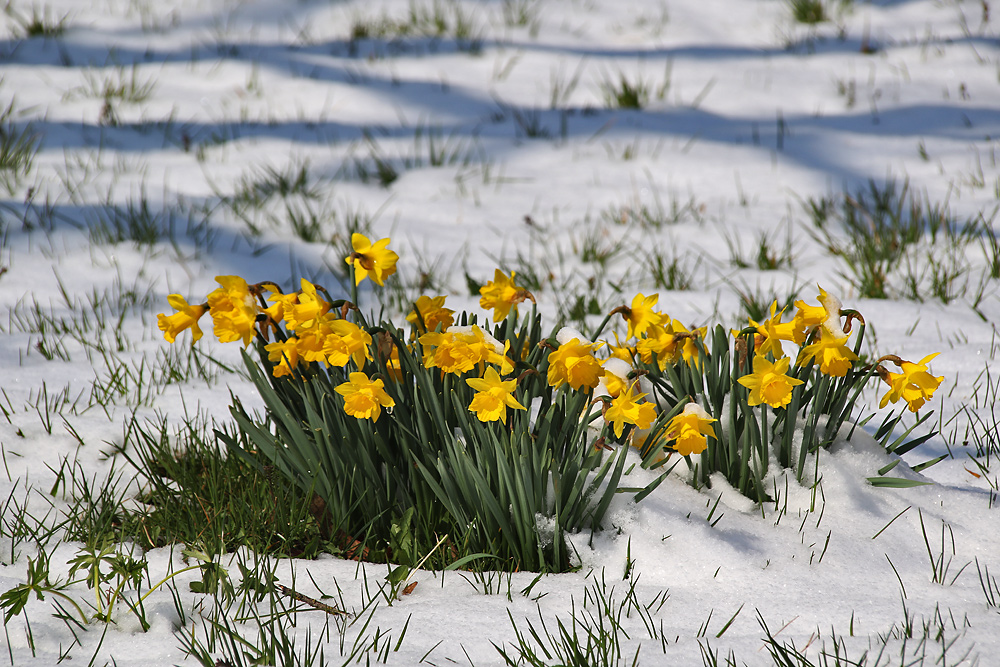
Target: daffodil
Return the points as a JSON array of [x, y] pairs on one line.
[[186, 317], [334, 341], [460, 349], [303, 311], [501, 294], [493, 396], [689, 347], [346, 341], [619, 351], [615, 378], [233, 310], [830, 352], [772, 332], [394, 366], [769, 383], [915, 384], [641, 315], [451, 352], [629, 408], [429, 313], [364, 398], [285, 356], [574, 363], [827, 315], [280, 303], [659, 344], [689, 430], [375, 260]]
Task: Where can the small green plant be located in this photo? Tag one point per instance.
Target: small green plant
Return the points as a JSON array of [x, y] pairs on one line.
[[673, 272], [262, 183], [757, 302], [136, 221], [809, 12], [196, 493], [18, 147], [941, 558], [595, 631], [764, 255], [122, 85], [991, 589], [560, 89], [597, 244], [625, 93], [437, 20], [113, 575], [520, 13], [655, 214], [889, 235], [41, 22]]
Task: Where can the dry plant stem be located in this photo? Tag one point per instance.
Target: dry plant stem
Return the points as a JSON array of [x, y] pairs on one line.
[[305, 599], [850, 316]]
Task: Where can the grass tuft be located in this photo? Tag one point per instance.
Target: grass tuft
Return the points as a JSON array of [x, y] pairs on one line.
[[896, 243], [18, 146], [809, 12], [40, 23]]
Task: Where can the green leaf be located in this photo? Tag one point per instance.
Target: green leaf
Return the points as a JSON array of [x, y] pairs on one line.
[[896, 482], [927, 464]]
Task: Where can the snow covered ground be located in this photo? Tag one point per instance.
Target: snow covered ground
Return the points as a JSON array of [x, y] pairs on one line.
[[182, 140]]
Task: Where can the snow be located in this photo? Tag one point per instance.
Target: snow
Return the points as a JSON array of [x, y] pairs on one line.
[[757, 115]]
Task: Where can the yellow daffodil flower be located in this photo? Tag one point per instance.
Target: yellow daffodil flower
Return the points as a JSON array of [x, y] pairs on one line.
[[346, 341], [619, 351], [689, 429], [615, 378], [285, 354], [772, 332], [280, 303], [334, 341], [626, 408], [769, 382], [460, 349], [641, 315], [375, 260], [394, 366], [233, 310], [501, 294], [303, 311], [827, 315], [364, 398], [830, 352], [451, 352], [659, 344], [574, 363], [493, 396], [429, 313], [186, 317], [915, 384], [689, 346]]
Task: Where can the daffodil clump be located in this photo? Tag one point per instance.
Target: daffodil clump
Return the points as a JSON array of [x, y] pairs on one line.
[[497, 437]]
